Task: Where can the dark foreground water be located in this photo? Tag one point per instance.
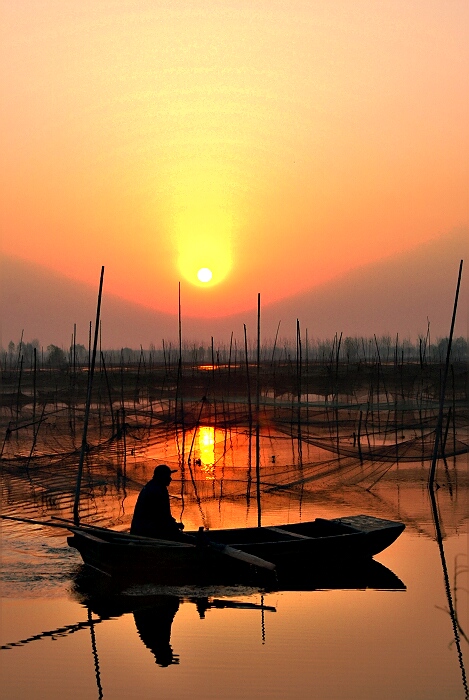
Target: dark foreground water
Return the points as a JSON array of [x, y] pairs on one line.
[[60, 639]]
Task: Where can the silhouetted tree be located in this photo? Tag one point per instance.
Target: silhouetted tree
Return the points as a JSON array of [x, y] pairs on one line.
[[56, 356]]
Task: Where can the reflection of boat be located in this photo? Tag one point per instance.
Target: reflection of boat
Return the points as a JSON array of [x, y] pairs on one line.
[[108, 600], [319, 544], [154, 606]]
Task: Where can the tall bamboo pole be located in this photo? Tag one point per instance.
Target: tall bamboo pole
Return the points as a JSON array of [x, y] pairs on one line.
[[299, 361], [76, 517], [179, 391], [443, 385], [258, 390], [34, 385], [248, 384]]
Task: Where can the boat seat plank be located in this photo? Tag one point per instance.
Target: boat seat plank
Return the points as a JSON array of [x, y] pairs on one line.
[[287, 532], [149, 542]]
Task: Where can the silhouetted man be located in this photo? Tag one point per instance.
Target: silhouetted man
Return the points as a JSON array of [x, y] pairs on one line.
[[152, 514]]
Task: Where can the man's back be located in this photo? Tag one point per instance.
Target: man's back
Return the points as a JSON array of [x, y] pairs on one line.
[[152, 514]]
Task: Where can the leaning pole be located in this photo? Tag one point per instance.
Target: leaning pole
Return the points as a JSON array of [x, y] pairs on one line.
[[443, 386], [76, 517]]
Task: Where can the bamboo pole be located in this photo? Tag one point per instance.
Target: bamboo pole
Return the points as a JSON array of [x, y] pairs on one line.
[[106, 379], [258, 388], [443, 385], [179, 382], [89, 347], [299, 361], [18, 393], [20, 347], [34, 384], [76, 517], [249, 477], [248, 378]]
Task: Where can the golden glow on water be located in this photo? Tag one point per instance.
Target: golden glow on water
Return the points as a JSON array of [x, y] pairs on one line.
[[206, 444], [205, 453], [208, 367]]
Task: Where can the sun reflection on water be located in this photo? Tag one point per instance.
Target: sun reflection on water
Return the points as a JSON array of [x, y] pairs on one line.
[[206, 451]]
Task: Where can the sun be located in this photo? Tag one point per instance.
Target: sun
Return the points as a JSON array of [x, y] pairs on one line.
[[204, 274]]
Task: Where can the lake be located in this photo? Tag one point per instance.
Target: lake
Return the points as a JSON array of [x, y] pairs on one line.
[[381, 634]]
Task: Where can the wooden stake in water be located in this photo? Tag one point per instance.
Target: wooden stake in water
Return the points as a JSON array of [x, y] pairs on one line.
[[34, 385], [443, 385], [76, 517], [258, 389], [179, 389], [246, 355]]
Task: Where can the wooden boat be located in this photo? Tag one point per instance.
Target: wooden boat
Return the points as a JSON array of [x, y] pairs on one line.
[[233, 553]]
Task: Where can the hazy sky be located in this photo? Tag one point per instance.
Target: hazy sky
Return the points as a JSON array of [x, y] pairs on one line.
[[279, 144]]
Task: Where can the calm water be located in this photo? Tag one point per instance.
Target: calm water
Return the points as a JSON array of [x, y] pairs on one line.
[[380, 635], [58, 641]]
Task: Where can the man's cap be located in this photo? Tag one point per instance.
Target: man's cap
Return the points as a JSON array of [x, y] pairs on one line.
[[163, 470]]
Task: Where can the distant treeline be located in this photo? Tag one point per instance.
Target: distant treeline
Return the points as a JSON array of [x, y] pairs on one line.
[[383, 349]]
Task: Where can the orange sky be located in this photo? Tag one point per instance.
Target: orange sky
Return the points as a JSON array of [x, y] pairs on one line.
[[278, 143]]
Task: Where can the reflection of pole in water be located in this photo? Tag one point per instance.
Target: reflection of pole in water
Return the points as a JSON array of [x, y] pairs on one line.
[[262, 619], [459, 570], [95, 655], [454, 622], [54, 634]]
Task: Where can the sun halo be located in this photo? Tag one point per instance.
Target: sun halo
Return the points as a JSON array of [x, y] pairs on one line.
[[203, 236]]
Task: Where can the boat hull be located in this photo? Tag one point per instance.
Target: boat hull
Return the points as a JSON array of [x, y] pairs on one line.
[[324, 544]]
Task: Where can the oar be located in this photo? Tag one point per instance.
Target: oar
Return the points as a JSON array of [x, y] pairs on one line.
[[127, 536], [30, 521], [216, 546], [68, 525], [232, 552]]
